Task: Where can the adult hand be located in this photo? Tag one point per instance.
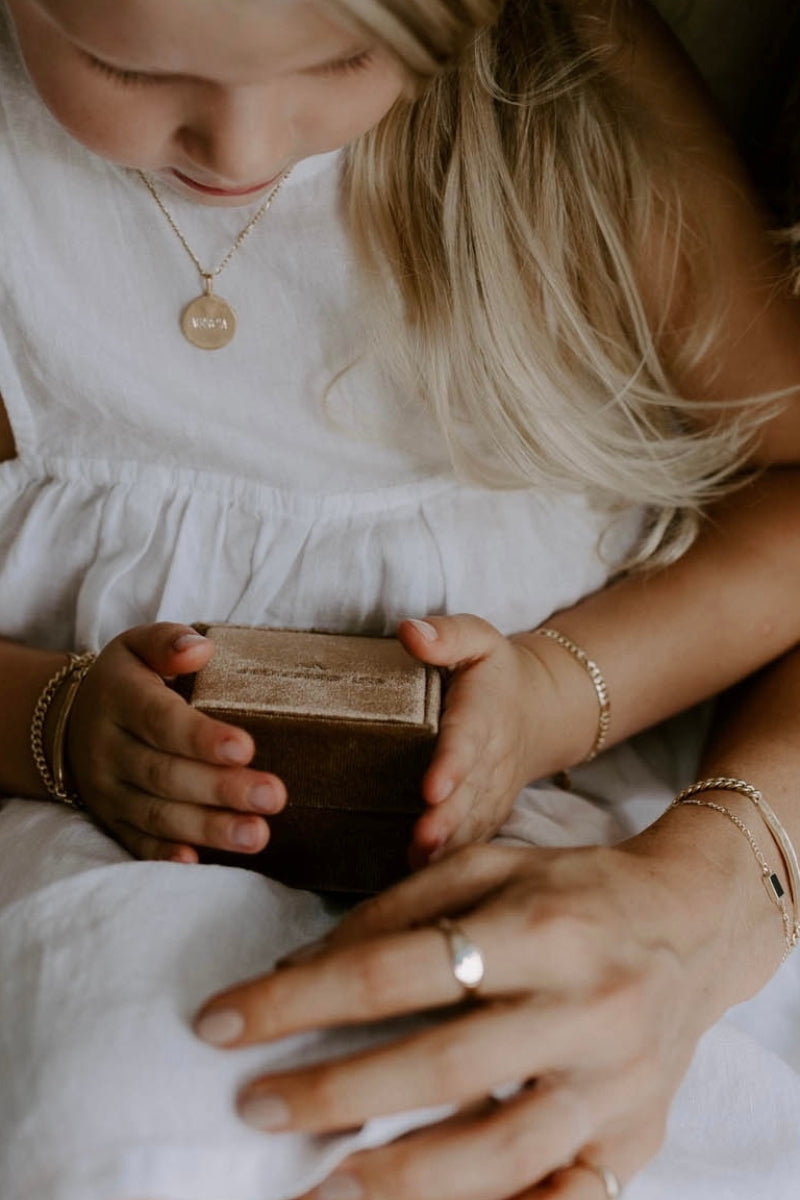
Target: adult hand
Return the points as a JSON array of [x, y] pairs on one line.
[[160, 776], [602, 968]]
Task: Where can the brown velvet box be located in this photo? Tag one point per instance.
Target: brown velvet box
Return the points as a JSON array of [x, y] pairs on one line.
[[349, 724]]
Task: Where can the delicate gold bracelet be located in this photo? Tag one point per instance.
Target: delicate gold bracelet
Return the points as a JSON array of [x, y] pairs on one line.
[[772, 883], [600, 686], [727, 783], [80, 670], [75, 663]]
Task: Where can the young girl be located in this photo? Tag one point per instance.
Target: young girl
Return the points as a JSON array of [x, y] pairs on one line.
[[330, 315]]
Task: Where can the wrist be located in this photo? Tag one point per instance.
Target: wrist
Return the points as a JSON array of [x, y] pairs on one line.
[[24, 674], [567, 708], [722, 919]]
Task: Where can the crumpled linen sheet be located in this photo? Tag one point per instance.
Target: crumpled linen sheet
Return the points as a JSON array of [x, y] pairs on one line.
[[106, 1095]]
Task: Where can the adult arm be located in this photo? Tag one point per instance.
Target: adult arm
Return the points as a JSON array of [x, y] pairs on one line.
[[603, 968]]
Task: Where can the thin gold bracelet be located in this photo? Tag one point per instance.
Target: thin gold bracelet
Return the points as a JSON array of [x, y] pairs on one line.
[[728, 783], [598, 680], [771, 881], [75, 663], [80, 670]]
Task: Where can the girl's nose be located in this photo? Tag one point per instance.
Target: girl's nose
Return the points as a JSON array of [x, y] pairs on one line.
[[236, 137]]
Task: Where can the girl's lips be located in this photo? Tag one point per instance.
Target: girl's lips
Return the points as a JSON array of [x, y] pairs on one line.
[[213, 191]]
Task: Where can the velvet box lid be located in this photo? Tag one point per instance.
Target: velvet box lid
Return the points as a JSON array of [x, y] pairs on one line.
[[349, 724]]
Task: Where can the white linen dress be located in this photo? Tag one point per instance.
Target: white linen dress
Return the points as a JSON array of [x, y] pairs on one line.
[[155, 481]]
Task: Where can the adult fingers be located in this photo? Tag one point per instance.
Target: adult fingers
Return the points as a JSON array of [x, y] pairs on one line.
[[454, 1062], [324, 982], [387, 976], [533, 1147], [494, 1156], [367, 981], [452, 886]]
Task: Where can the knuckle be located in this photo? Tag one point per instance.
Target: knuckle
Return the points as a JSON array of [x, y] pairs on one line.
[[572, 932], [154, 816], [473, 862], [213, 831], [152, 719], [377, 975], [229, 790], [201, 733], [455, 1069], [325, 1095], [519, 1152], [158, 774], [412, 1176]]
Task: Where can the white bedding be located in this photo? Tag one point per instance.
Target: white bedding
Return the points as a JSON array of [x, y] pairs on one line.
[[106, 1095]]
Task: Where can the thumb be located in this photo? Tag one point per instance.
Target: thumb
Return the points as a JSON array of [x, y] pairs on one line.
[[452, 641], [168, 648]]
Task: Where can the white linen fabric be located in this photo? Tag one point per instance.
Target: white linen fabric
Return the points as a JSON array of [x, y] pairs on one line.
[[153, 481]]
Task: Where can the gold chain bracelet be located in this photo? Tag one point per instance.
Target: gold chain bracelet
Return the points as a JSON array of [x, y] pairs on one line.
[[74, 670], [770, 879], [598, 680], [728, 783]]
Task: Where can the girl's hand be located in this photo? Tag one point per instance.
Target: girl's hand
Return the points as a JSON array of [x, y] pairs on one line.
[[602, 969], [505, 723], [161, 777]]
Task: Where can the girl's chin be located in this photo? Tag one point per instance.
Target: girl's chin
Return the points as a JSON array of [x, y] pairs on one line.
[[212, 197]]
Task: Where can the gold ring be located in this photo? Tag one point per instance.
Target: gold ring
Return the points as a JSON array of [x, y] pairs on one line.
[[466, 960], [613, 1187]]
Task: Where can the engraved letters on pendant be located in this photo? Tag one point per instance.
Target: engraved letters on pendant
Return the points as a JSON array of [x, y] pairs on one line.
[[208, 322]]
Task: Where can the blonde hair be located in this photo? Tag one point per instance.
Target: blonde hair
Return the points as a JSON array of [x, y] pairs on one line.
[[499, 210]]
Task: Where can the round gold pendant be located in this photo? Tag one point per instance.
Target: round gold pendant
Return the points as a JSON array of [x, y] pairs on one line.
[[208, 322]]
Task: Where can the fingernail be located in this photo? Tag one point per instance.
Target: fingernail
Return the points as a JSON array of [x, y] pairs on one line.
[[263, 798], [245, 835], [442, 792], [220, 1028], [184, 855], [427, 631], [304, 953], [185, 640], [233, 751], [339, 1187], [265, 1112]]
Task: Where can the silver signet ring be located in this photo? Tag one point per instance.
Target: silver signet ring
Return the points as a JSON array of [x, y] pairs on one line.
[[466, 960], [613, 1187]]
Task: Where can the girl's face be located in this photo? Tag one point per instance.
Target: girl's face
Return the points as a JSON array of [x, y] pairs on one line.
[[217, 97]]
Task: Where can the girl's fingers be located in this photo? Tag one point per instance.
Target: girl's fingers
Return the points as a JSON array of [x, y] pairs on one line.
[[141, 845], [191, 824], [162, 719], [449, 641], [490, 1157], [460, 746], [168, 648], [185, 780]]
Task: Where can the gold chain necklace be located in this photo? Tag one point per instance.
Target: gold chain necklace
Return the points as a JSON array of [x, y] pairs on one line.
[[209, 322]]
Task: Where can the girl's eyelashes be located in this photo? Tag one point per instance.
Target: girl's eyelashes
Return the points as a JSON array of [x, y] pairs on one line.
[[120, 75], [358, 62], [345, 66]]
